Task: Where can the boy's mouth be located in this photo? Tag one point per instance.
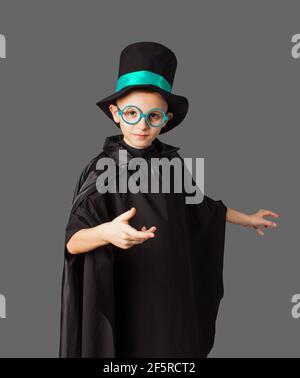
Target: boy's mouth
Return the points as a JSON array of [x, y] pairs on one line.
[[141, 135]]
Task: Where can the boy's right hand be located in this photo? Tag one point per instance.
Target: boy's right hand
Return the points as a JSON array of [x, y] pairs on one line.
[[122, 235]]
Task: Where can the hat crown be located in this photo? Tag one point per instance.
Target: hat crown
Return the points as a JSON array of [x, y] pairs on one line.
[[148, 56]]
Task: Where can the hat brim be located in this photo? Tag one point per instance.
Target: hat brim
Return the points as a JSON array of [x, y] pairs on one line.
[[178, 105]]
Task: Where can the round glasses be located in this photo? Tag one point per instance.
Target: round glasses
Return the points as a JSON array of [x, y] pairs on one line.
[[131, 114]]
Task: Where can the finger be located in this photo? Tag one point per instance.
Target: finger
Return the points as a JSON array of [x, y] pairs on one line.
[[270, 213], [268, 223], [151, 229], [127, 215], [130, 236], [135, 234], [275, 215], [132, 239], [259, 231]]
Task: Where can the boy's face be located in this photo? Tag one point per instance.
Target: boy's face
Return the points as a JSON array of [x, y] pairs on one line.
[[140, 135]]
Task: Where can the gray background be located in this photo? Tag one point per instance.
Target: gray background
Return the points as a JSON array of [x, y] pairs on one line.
[[235, 67]]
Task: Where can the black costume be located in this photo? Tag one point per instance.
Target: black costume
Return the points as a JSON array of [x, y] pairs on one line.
[[155, 299]]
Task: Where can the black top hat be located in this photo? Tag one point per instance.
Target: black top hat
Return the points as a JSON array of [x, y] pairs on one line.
[[148, 65]]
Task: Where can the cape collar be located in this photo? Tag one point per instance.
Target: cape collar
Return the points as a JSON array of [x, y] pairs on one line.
[[158, 149]]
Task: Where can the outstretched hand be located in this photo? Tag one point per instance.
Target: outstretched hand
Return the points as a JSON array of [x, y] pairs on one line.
[[124, 236], [257, 219]]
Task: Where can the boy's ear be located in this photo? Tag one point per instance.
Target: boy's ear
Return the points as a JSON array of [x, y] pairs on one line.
[[170, 116], [114, 111]]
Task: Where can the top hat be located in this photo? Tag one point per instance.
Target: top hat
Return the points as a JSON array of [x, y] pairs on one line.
[[148, 65]]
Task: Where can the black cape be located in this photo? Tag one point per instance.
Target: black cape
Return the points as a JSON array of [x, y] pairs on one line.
[[155, 299]]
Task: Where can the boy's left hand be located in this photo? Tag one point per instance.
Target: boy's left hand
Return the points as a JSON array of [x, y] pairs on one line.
[[257, 219]]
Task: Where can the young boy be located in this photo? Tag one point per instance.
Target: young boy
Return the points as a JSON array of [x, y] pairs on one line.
[[143, 271]]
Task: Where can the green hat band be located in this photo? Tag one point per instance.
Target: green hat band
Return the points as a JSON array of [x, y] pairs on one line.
[[143, 77]]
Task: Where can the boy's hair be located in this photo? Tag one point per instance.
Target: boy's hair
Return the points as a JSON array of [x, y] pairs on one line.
[[149, 90]]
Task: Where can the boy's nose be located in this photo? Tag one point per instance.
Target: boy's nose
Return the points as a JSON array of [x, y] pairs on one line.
[[142, 124]]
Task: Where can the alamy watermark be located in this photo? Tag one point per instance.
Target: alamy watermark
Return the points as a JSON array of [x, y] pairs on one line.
[[160, 177], [295, 51], [2, 46], [296, 308], [2, 306], [2, 56]]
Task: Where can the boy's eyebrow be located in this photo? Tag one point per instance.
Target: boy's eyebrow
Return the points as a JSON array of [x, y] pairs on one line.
[[153, 107]]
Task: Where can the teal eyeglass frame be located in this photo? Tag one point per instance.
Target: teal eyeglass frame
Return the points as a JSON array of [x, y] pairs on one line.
[[145, 115]]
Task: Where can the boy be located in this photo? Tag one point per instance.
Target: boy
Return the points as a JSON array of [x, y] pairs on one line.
[[143, 282]]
